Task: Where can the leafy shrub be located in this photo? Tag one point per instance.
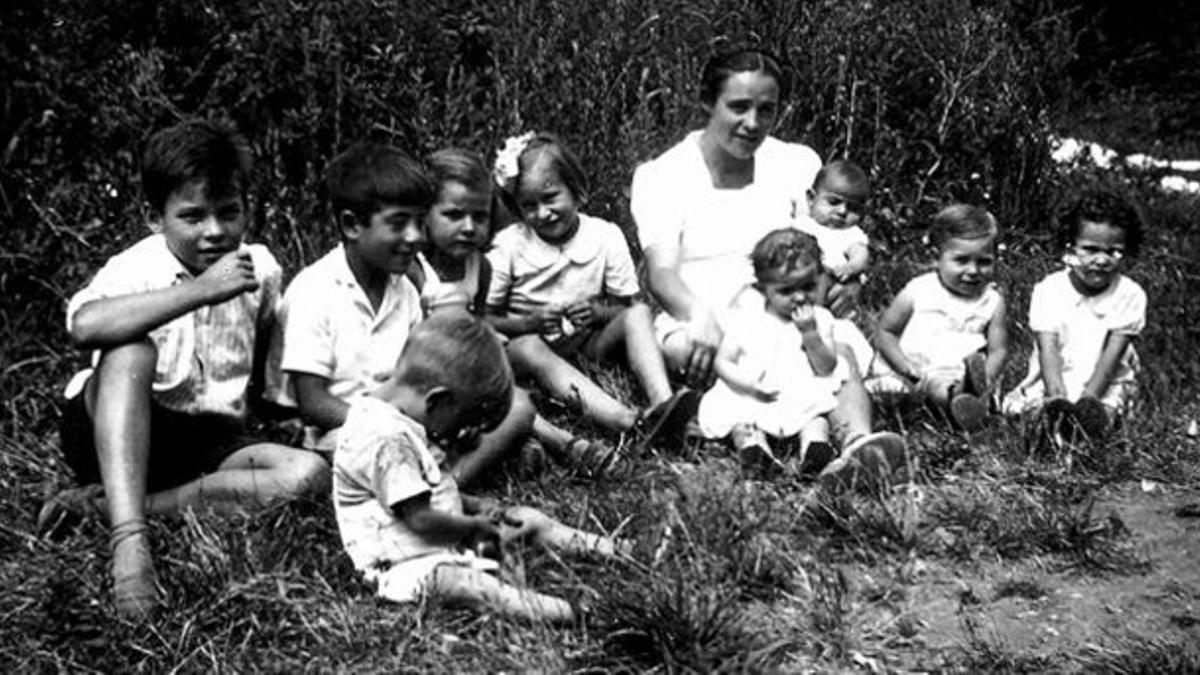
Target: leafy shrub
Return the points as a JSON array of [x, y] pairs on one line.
[[940, 99]]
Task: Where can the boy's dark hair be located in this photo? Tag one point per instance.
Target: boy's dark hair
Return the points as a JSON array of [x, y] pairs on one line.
[[369, 176], [196, 150], [849, 171], [453, 349], [724, 65], [549, 146], [962, 221], [456, 165], [784, 249], [1102, 206]]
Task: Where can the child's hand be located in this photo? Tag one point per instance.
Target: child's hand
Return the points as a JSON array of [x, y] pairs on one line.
[[546, 321], [484, 538], [843, 297], [842, 273], [228, 277], [763, 391], [581, 313], [805, 318]]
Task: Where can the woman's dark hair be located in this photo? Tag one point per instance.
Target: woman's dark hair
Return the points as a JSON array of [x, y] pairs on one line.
[[726, 64], [1102, 206]]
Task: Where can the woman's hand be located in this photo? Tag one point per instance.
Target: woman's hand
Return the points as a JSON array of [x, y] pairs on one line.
[[704, 335]]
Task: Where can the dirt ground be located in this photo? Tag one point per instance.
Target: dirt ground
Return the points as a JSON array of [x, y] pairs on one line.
[[1037, 610]]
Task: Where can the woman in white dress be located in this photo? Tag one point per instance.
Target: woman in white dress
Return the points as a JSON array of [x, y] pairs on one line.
[[701, 206]]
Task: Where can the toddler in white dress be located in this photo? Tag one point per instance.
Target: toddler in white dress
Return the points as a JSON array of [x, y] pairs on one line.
[[943, 337], [778, 368]]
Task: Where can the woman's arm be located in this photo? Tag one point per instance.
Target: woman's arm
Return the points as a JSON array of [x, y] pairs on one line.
[[887, 337], [1110, 357]]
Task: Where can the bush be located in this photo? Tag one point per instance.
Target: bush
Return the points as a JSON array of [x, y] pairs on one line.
[[940, 99]]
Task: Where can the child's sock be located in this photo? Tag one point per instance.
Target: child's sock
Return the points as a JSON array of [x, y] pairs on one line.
[[753, 449]]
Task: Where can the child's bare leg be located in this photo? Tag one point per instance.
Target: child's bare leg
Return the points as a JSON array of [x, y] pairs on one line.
[[530, 355], [474, 586], [816, 430], [528, 523], [493, 445], [852, 416], [119, 400], [633, 329], [254, 476], [554, 438]]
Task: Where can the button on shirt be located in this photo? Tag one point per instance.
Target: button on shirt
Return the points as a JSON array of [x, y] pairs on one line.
[[205, 357]]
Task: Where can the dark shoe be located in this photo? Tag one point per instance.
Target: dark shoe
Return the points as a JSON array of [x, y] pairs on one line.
[[975, 377], [868, 463], [67, 509], [817, 456], [666, 423], [1092, 417], [969, 412]]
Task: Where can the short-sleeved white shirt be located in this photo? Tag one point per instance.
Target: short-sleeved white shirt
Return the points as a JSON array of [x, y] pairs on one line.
[[529, 273], [205, 357], [329, 329], [835, 243], [674, 203], [943, 328], [1082, 324], [383, 458]]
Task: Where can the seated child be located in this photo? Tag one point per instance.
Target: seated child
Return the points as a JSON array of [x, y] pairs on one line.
[[777, 366], [177, 322], [944, 336], [400, 515], [836, 203], [346, 317], [1085, 318], [453, 272], [563, 283]]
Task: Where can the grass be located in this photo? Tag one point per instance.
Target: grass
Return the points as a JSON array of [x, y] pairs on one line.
[[728, 574]]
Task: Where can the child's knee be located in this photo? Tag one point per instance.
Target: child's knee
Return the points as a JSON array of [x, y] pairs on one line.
[[130, 359], [308, 474], [527, 350], [522, 411]]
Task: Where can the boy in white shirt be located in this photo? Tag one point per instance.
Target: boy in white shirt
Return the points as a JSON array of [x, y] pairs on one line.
[[346, 317], [178, 323]]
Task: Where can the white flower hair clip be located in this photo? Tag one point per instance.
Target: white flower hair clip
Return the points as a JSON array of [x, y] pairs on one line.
[[506, 167]]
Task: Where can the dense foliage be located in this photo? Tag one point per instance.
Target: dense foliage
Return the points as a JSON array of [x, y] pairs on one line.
[[938, 98]]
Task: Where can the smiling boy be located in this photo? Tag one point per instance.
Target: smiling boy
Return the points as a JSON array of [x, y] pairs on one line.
[[177, 323]]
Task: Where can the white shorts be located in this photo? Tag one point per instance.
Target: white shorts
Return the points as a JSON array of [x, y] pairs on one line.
[[405, 581]]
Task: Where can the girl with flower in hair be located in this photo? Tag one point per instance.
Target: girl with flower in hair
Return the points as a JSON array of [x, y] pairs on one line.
[[563, 285]]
